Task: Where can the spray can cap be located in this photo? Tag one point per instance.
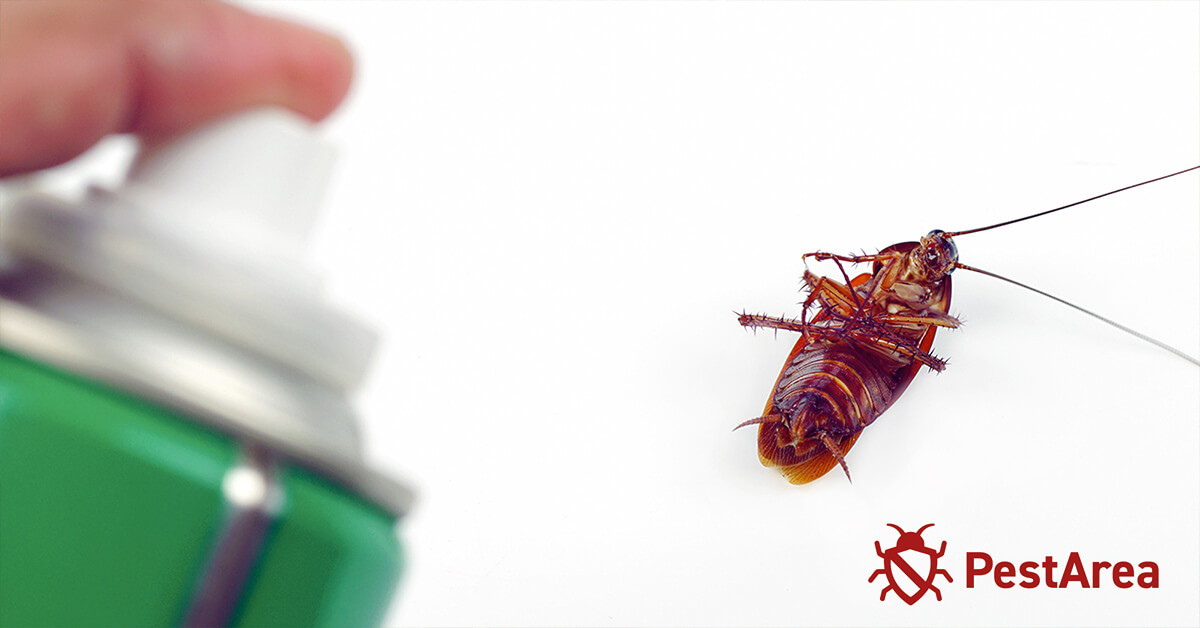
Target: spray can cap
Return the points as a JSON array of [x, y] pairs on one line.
[[189, 284]]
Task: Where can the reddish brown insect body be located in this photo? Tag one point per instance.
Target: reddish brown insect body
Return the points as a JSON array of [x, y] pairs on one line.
[[867, 341]]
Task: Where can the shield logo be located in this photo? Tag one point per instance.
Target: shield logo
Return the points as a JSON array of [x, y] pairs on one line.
[[910, 572]]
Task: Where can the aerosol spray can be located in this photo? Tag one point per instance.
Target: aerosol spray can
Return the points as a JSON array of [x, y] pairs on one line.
[[177, 445]]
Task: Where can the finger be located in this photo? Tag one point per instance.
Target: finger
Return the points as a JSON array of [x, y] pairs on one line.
[[73, 72]]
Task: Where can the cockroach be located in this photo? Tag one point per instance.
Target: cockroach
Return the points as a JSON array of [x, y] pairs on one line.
[[866, 342]]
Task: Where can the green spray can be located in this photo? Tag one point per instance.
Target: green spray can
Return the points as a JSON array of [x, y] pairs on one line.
[[177, 444]]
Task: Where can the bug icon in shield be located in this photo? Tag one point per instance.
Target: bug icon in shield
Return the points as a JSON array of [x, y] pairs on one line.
[[910, 566]]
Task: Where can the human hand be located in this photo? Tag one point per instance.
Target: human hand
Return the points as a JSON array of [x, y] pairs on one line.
[[72, 72]]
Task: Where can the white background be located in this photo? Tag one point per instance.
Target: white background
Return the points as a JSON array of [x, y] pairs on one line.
[[551, 211]]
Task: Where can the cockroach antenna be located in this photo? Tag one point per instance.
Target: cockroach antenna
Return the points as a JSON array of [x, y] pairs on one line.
[[1137, 334], [1086, 200]]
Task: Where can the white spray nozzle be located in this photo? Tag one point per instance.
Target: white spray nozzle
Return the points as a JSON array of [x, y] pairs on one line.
[[254, 180]]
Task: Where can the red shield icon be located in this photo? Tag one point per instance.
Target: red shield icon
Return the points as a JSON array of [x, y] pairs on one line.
[[910, 566]]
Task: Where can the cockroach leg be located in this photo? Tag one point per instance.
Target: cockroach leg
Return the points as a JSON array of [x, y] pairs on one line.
[[858, 303], [853, 259], [826, 293], [940, 321], [830, 294], [755, 321], [903, 348]]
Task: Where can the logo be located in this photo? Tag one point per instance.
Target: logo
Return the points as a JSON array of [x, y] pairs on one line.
[[910, 566]]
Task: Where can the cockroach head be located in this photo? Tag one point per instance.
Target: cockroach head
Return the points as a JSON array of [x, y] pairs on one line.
[[936, 255]]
